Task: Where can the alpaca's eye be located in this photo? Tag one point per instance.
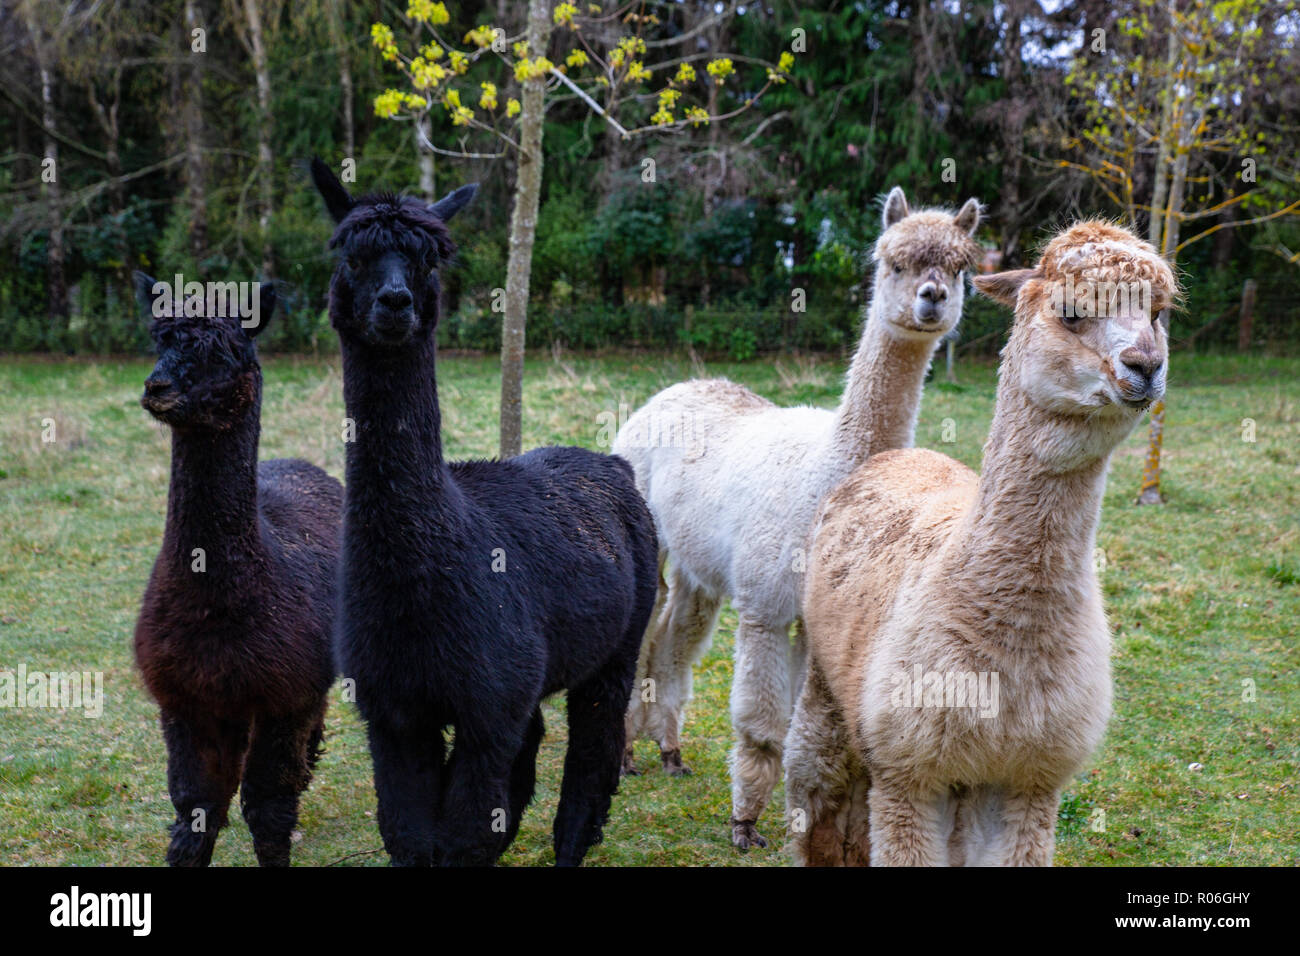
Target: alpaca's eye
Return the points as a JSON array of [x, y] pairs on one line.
[[353, 263], [898, 270]]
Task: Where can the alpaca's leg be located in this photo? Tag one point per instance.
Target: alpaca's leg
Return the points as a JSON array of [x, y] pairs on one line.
[[808, 792], [523, 775], [591, 764], [408, 770], [909, 829], [798, 660], [856, 818], [1028, 834], [276, 772], [687, 622], [977, 827], [203, 763], [643, 697], [760, 716], [963, 843], [475, 815], [818, 786]]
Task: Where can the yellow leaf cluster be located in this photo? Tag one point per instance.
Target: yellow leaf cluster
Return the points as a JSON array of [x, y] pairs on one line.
[[481, 37], [426, 75], [390, 102], [381, 35], [564, 14], [721, 69], [526, 69], [426, 11]]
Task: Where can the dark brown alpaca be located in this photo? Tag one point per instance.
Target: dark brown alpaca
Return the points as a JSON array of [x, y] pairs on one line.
[[233, 639]]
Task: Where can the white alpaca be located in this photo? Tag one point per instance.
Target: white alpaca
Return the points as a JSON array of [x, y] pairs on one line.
[[959, 669], [733, 482]]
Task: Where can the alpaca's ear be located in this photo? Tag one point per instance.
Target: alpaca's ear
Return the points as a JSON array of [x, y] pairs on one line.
[[337, 200], [144, 292], [968, 218], [266, 299], [895, 207], [452, 203], [1004, 287]]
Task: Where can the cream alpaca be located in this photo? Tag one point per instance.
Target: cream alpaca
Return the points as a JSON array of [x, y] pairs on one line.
[[919, 567], [733, 482]]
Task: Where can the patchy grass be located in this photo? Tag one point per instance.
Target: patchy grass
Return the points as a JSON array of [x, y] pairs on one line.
[[1204, 594]]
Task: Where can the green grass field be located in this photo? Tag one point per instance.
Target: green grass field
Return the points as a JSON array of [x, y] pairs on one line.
[[1204, 595]]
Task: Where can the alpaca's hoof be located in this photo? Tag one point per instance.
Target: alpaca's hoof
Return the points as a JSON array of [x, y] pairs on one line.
[[629, 765], [744, 834], [673, 765]]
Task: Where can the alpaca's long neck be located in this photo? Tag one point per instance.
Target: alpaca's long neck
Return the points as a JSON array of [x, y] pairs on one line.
[[395, 466], [883, 395], [212, 501], [1030, 534]]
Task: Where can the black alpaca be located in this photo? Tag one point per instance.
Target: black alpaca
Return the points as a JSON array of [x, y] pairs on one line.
[[470, 590], [234, 633]]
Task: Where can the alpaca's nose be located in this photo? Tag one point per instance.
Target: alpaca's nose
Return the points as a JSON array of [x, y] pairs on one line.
[[395, 299], [1140, 362], [933, 292], [157, 386]]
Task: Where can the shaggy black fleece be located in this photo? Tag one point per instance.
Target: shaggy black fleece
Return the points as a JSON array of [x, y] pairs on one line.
[[234, 634], [470, 591]]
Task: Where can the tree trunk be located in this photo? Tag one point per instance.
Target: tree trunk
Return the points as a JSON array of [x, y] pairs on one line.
[[338, 32], [56, 288], [1246, 321], [1174, 211], [1166, 207], [523, 229], [422, 136], [1150, 493], [710, 184], [108, 123], [265, 159], [1160, 184], [1225, 239], [1014, 114], [505, 17], [56, 280], [607, 34], [196, 173], [920, 73]]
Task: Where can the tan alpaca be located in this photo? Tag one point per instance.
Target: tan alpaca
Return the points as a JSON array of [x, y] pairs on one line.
[[923, 576], [733, 482]]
